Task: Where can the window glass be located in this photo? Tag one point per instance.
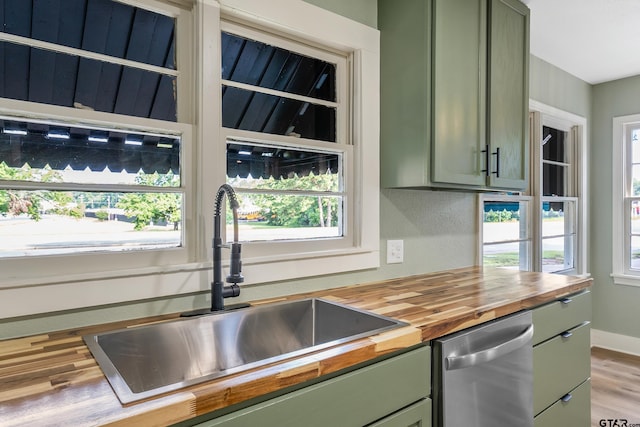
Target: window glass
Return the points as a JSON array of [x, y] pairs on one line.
[[558, 235], [260, 112], [288, 188], [102, 26], [44, 152], [42, 222], [61, 218], [505, 232], [554, 144], [100, 55], [259, 64], [285, 193]]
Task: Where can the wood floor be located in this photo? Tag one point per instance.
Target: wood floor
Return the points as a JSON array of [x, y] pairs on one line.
[[615, 387]]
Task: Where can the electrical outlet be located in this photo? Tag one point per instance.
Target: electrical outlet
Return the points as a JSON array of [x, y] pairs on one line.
[[395, 251]]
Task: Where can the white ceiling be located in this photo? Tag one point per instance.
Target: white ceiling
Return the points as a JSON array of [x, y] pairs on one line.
[[595, 40]]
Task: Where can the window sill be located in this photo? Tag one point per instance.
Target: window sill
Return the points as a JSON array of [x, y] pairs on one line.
[[626, 279]]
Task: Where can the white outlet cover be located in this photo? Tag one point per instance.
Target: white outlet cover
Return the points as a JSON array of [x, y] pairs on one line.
[[395, 251]]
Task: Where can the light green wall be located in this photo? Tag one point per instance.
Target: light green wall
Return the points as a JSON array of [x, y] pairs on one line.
[[363, 11], [616, 306], [552, 86]]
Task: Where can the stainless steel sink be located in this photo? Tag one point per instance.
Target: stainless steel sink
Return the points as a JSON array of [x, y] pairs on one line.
[[145, 361]]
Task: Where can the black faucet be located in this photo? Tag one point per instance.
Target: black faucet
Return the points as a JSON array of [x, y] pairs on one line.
[[218, 291]]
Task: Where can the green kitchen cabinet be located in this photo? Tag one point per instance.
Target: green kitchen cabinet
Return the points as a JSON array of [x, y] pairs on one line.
[[391, 393], [562, 362], [454, 93]]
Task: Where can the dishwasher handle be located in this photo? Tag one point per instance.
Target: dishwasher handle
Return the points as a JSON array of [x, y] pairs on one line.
[[484, 356]]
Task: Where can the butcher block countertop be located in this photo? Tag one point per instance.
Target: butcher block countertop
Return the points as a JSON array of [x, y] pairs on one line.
[[52, 379]]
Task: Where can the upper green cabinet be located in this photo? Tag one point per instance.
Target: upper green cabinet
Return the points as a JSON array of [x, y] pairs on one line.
[[454, 93]]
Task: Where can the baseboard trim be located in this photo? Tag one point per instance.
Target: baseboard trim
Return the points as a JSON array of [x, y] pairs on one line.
[[615, 342]]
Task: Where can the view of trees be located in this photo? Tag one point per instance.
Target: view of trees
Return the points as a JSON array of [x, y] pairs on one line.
[[142, 208], [278, 206], [288, 210]]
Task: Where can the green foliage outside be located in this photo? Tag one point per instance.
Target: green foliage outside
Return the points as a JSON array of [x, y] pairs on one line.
[[17, 202], [512, 259], [288, 210], [147, 207], [501, 216]]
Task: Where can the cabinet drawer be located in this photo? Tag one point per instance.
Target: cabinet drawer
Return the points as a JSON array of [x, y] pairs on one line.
[[559, 365], [353, 399], [575, 412], [416, 415], [551, 319]]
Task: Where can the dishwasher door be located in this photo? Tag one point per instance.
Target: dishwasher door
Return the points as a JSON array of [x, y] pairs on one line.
[[483, 376]]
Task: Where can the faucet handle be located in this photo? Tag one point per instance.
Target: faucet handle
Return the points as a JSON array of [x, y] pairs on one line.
[[235, 265]]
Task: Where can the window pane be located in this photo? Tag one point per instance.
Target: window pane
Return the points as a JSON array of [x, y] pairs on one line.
[[553, 144], [635, 146], [259, 64], [515, 255], [259, 112], [102, 26], [53, 153], [266, 167], [557, 253], [635, 217], [56, 222], [554, 180], [558, 218], [504, 221], [635, 253], [635, 183], [38, 75], [268, 217]]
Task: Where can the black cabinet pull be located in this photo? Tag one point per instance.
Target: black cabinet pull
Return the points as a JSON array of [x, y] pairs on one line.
[[566, 334], [497, 154], [486, 160], [567, 397], [565, 300]]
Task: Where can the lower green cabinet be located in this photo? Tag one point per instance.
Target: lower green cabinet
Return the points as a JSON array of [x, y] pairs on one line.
[[392, 392], [562, 362], [574, 409], [416, 415]]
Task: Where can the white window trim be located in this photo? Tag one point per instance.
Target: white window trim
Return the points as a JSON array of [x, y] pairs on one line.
[[300, 20], [482, 198], [22, 295], [620, 244], [560, 119]]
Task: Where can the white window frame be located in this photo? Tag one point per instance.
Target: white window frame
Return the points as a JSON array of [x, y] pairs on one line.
[[276, 250], [527, 241], [621, 199], [359, 248], [543, 114], [34, 290]]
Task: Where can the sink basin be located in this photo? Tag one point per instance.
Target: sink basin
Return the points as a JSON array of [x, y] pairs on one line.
[[145, 361]]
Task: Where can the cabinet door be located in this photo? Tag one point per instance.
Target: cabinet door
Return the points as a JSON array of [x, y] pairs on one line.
[[459, 91], [508, 132]]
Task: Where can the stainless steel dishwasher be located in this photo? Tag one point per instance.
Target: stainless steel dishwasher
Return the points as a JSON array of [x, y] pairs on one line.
[[483, 376]]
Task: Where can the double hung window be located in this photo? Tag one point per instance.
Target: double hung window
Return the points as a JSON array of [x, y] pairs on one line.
[[285, 123], [92, 150], [626, 199], [543, 229]]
